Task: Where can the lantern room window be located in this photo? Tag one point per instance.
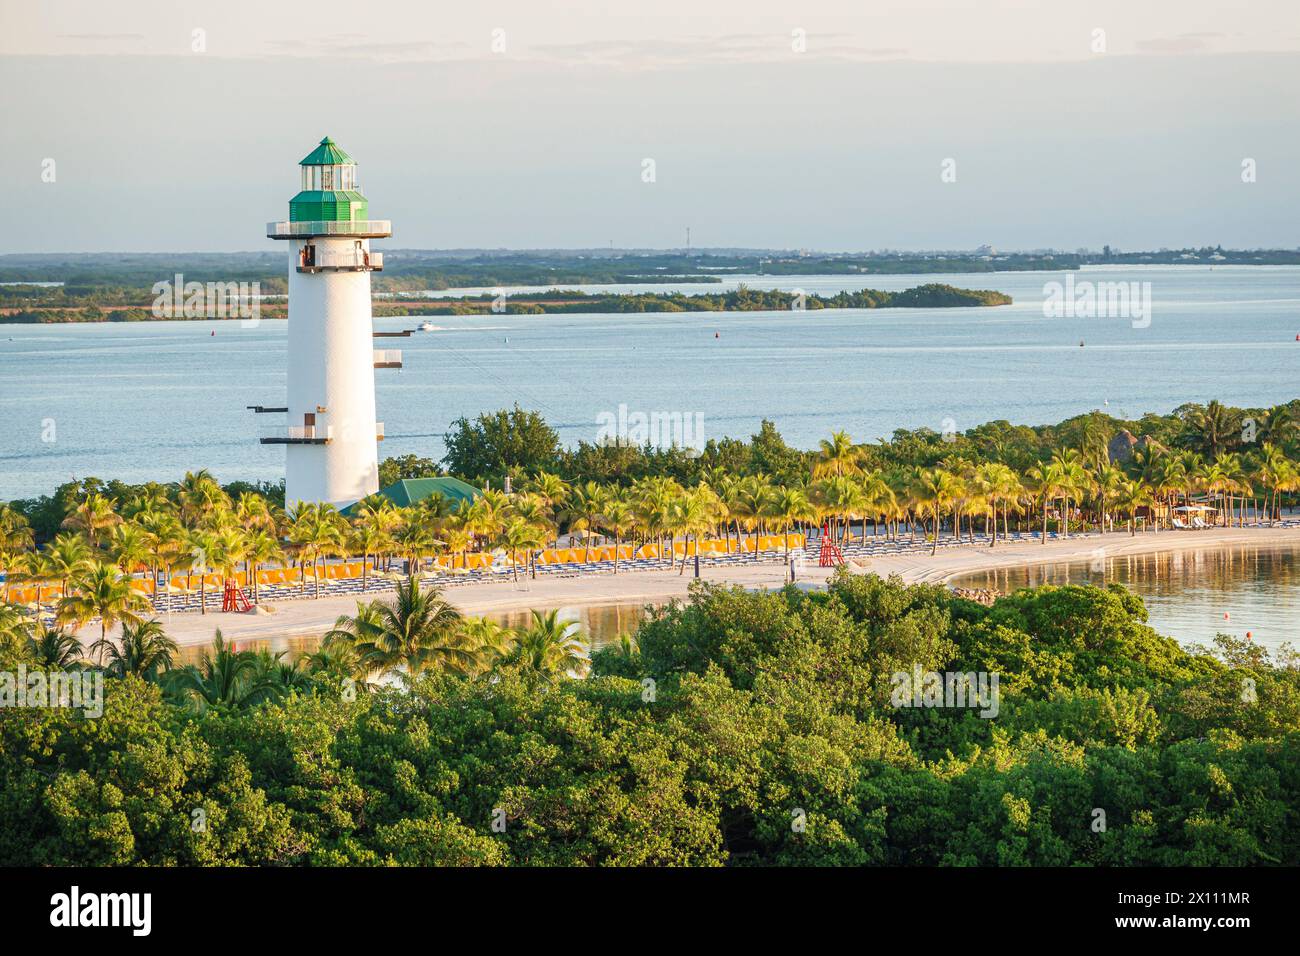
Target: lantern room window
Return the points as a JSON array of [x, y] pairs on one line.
[[336, 178]]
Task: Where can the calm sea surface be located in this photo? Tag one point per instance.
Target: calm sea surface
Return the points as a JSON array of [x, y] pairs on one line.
[[1190, 595], [139, 401]]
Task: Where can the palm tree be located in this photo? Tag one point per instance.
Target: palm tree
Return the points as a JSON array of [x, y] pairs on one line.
[[15, 535], [690, 516], [586, 503], [551, 489], [53, 648], [1130, 495], [103, 593], [143, 650], [201, 545], [876, 498], [93, 517], [617, 519], [260, 548], [15, 627], [1278, 426], [790, 506], [1073, 482], [837, 456], [413, 541], [173, 551], [223, 679], [200, 495], [534, 511], [1272, 473], [1045, 482], [368, 539], [457, 539], [339, 662], [417, 629], [518, 535], [936, 489], [1213, 429], [549, 649], [651, 499], [65, 557], [487, 515], [982, 490], [1107, 480], [317, 531], [489, 641], [839, 497], [750, 503], [229, 548], [253, 513], [276, 678]]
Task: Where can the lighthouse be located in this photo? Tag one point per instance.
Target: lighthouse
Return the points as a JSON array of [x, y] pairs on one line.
[[331, 432]]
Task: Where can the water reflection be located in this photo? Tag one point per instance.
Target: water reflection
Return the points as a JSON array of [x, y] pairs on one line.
[[1190, 595], [601, 625]]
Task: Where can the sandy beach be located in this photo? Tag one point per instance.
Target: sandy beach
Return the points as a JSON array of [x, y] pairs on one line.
[[308, 617]]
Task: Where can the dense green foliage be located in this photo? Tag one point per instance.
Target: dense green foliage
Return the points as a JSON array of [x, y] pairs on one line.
[[520, 442], [743, 299], [765, 709]]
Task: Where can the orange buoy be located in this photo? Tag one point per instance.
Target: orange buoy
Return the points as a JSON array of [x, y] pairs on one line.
[[1225, 615], [1248, 635]]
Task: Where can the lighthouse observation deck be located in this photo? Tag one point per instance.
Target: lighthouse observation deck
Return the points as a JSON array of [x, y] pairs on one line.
[[353, 229]]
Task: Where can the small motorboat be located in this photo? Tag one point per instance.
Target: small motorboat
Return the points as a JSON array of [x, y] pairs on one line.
[[427, 327]]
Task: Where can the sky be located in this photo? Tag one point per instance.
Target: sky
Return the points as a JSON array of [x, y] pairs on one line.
[[930, 124]]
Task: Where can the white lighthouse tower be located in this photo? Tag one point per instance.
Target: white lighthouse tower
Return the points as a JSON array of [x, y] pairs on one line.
[[331, 433]]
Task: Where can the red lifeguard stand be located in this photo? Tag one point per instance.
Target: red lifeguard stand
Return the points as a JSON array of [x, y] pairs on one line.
[[234, 598], [831, 556]]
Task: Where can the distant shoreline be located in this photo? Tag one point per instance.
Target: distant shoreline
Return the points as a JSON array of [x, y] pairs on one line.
[[559, 302]]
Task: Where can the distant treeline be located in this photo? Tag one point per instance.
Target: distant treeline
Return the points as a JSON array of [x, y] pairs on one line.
[[743, 299], [118, 279]]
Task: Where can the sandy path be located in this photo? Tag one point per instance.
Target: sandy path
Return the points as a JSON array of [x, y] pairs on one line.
[[309, 617]]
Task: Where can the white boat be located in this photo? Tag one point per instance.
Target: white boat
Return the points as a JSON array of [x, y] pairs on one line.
[[427, 327]]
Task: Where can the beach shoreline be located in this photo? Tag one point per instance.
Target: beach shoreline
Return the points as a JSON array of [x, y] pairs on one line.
[[308, 617]]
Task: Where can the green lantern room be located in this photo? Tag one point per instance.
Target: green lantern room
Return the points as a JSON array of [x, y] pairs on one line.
[[329, 188]]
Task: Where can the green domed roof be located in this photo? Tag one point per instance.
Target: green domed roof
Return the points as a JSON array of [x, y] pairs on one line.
[[327, 154]]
